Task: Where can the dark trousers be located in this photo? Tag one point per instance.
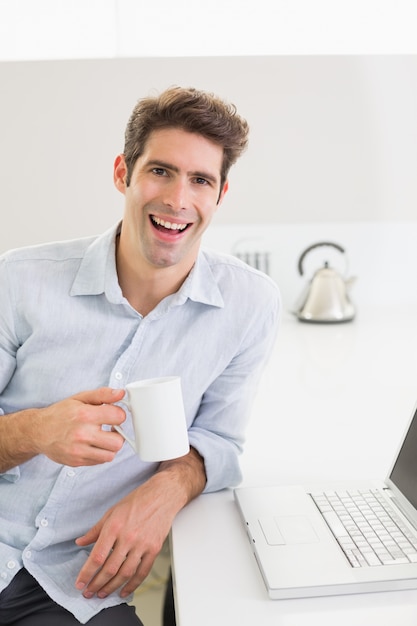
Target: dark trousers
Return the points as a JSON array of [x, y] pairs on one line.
[[25, 603]]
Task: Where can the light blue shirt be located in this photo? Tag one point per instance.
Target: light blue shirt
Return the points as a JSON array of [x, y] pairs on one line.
[[66, 327]]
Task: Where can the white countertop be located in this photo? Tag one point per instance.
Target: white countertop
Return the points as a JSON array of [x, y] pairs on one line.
[[333, 403], [326, 395]]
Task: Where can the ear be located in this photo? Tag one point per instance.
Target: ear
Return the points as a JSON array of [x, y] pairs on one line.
[[120, 173], [223, 193]]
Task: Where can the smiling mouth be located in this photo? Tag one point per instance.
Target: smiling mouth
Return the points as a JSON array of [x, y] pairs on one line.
[[165, 226]]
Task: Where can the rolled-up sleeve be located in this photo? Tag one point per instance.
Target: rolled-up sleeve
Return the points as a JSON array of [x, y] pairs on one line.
[[8, 345], [218, 431], [8, 336]]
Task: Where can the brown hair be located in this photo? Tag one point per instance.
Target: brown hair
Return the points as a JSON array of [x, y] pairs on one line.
[[193, 111]]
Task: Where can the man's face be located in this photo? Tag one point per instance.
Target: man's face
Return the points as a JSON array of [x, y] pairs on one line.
[[173, 194]]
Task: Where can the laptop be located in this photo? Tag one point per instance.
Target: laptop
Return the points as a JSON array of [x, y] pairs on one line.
[[338, 539]]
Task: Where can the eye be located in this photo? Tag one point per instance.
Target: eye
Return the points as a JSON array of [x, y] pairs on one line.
[[201, 181], [159, 171]]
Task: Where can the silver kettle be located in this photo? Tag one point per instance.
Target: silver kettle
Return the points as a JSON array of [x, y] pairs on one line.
[[326, 298]]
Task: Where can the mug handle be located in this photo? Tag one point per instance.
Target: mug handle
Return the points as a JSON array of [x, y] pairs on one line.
[[120, 430]]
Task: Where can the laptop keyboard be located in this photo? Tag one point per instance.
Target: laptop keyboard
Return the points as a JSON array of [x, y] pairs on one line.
[[367, 528]]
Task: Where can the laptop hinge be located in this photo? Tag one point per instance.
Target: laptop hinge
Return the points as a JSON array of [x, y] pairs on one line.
[[401, 508]]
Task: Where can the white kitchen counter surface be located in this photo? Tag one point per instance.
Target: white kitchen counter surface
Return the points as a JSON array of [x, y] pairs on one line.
[[332, 404], [334, 399]]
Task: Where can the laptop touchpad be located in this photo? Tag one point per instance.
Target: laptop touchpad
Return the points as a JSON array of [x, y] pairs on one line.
[[288, 529]]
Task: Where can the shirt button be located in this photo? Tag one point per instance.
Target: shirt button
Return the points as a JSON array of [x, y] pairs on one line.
[[28, 554], [44, 522], [118, 375], [70, 473], [11, 564]]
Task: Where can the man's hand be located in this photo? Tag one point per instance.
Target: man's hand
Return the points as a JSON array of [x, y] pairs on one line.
[[72, 433], [69, 432], [131, 534]]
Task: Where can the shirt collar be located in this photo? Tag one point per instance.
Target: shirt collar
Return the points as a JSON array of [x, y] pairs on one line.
[[200, 285], [98, 265], [97, 274]]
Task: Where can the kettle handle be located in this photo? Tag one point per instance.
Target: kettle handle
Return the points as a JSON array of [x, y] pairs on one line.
[[317, 245]]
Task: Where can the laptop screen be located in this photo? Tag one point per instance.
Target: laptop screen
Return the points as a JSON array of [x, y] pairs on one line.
[[404, 472]]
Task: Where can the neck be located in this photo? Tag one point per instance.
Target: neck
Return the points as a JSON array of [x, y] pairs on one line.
[[145, 286]]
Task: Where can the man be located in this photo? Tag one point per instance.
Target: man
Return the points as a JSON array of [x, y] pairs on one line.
[[82, 518]]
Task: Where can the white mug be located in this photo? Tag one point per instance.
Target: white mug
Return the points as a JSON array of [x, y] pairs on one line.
[[158, 417]]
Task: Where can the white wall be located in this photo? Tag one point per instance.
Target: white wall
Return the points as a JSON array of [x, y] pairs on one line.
[[381, 256], [332, 156], [333, 139], [75, 29]]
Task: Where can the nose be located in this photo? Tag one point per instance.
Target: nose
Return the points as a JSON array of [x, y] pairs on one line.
[[176, 194]]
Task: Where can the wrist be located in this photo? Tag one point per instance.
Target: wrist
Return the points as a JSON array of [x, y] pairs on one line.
[[19, 438], [186, 474]]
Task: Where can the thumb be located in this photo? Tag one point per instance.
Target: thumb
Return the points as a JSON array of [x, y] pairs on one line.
[[103, 395], [90, 536]]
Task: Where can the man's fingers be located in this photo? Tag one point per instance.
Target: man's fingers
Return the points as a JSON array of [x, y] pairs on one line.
[[142, 572], [98, 557], [103, 395], [118, 571]]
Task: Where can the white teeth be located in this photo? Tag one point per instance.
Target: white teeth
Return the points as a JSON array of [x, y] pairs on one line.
[[169, 225]]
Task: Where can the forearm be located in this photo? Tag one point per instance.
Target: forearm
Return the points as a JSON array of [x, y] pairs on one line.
[[17, 441], [185, 477], [130, 535]]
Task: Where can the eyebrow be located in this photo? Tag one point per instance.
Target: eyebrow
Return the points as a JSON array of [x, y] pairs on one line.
[[174, 168]]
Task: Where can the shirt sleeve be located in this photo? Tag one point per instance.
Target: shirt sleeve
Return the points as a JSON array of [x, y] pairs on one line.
[[8, 346], [218, 431], [8, 339]]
